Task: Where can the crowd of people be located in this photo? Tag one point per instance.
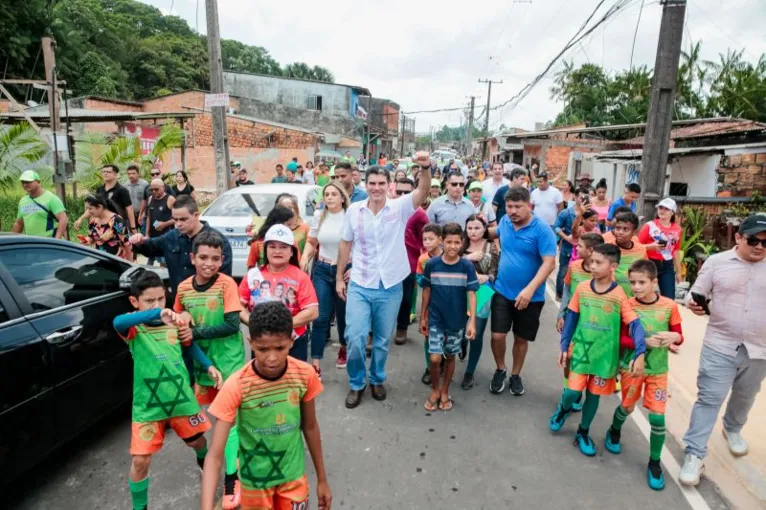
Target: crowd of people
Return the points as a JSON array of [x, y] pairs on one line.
[[479, 250]]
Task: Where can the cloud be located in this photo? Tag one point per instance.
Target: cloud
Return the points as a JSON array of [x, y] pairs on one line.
[[429, 54]]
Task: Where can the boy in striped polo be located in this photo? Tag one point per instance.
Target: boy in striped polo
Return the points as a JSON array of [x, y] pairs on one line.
[[662, 322]]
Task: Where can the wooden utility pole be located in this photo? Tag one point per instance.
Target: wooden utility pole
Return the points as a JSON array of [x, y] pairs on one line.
[[486, 118], [654, 161], [54, 107], [401, 142], [469, 140], [220, 137]]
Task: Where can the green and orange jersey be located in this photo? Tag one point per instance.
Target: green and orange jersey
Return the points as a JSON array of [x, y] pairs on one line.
[[425, 257], [660, 316], [208, 307], [268, 416], [576, 274], [627, 257], [161, 388], [596, 338]]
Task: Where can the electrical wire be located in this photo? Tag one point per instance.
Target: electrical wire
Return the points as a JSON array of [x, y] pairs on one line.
[[635, 34]]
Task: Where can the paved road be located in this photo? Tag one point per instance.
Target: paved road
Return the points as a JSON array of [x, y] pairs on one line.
[[491, 451]]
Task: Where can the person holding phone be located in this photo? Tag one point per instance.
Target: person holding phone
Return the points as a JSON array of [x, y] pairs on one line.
[[733, 354], [662, 239]]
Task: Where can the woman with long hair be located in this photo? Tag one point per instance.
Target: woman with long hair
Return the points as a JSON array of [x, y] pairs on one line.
[[322, 246], [183, 186], [398, 174], [485, 256], [662, 238], [569, 194], [600, 203], [291, 286], [107, 231], [297, 225], [308, 173], [277, 216]]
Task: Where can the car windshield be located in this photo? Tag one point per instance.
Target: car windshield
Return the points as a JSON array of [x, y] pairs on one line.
[[242, 204]]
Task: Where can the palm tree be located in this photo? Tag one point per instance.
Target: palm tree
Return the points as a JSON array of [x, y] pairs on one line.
[[322, 74], [298, 70], [20, 148]]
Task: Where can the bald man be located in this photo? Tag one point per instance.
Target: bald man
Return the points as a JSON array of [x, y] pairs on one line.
[[158, 209]]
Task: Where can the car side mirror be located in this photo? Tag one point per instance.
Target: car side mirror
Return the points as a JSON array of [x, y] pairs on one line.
[[127, 277]]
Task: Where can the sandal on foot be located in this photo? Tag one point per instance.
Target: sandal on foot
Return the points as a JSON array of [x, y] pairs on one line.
[[446, 406], [431, 405]]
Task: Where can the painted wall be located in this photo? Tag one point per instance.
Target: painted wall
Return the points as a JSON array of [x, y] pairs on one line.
[[307, 119], [699, 172]]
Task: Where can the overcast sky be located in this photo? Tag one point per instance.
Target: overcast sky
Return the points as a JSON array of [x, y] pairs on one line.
[[425, 56]]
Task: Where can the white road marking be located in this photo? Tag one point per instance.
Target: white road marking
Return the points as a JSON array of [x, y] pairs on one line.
[[672, 468]]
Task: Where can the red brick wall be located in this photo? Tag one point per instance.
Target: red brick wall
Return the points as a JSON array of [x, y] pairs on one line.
[[177, 102], [391, 117], [97, 104], [5, 105], [243, 133], [742, 174]]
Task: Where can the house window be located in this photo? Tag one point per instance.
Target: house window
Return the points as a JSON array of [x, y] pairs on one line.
[[314, 103], [679, 189]]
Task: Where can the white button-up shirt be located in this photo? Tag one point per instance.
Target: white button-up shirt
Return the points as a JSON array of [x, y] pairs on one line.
[[737, 290], [378, 253]]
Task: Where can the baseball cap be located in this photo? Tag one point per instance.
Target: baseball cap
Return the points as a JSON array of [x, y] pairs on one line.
[[436, 183], [542, 175], [236, 163], [668, 203], [29, 176], [292, 165], [753, 224], [474, 185], [281, 234]]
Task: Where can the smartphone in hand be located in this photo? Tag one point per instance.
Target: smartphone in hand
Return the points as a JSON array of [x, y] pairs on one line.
[[701, 301]]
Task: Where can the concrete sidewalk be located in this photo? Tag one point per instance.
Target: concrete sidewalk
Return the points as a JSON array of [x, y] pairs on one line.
[[741, 480]]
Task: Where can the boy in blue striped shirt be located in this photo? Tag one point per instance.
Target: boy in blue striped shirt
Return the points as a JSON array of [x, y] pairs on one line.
[[449, 286]]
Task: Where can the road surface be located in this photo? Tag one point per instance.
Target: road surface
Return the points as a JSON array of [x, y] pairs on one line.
[[489, 452]]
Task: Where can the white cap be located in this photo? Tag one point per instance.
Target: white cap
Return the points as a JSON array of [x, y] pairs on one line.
[[668, 203], [280, 233]]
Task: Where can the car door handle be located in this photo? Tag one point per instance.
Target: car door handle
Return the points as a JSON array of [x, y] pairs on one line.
[[60, 337]]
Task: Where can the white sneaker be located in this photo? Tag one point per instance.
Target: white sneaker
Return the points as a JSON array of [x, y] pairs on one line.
[[737, 443], [691, 470]]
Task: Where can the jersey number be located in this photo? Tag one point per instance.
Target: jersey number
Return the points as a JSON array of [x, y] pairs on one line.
[[599, 381], [197, 419], [302, 505], [660, 395]]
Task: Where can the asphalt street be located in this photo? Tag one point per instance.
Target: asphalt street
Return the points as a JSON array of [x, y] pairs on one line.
[[490, 451]]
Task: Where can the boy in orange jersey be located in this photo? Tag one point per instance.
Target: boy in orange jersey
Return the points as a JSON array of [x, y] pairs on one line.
[[209, 301], [272, 398], [432, 244], [598, 309], [662, 322]]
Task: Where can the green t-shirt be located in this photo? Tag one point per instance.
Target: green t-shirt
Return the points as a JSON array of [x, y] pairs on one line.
[[655, 318], [161, 387], [209, 308], [37, 222], [596, 340]]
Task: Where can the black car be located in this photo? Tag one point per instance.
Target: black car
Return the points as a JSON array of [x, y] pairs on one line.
[[62, 365]]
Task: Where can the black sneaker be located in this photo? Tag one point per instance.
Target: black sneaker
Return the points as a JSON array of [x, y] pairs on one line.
[[467, 383], [497, 384], [516, 388], [426, 379], [463, 349]]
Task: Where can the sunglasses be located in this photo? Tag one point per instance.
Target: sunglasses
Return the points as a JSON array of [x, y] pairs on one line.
[[334, 177], [155, 174], [401, 192], [754, 241], [457, 184]]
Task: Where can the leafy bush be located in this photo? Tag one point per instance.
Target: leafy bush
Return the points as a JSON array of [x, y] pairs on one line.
[[9, 204]]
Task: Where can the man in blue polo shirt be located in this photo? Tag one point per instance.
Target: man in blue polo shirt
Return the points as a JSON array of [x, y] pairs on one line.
[[527, 257], [629, 199]]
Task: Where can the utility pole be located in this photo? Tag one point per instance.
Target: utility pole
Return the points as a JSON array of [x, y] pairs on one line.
[[220, 137], [486, 119], [654, 161], [469, 151], [401, 142], [54, 108]]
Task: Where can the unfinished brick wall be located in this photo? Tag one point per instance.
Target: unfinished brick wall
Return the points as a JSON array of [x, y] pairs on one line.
[[243, 133], [742, 174], [91, 103], [181, 102]]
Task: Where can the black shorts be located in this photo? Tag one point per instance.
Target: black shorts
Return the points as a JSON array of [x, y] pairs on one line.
[[505, 316]]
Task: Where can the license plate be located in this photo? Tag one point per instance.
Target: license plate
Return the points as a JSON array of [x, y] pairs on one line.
[[238, 243]]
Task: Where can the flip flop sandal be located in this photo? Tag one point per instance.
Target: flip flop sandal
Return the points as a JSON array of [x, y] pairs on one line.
[[435, 405], [446, 406]]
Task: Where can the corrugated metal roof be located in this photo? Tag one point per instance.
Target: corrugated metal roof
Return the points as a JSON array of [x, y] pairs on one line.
[[709, 130], [85, 115], [675, 151]]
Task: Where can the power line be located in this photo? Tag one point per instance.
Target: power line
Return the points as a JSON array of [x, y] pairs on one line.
[[635, 34]]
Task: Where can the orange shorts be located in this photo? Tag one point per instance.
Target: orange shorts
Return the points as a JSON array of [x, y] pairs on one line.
[[205, 394], [147, 438], [653, 387], [288, 496], [593, 383]]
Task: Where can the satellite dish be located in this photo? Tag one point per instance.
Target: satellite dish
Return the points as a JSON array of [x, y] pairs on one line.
[[32, 103]]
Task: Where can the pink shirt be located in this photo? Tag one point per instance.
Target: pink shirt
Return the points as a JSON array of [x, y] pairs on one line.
[[413, 237], [602, 211]]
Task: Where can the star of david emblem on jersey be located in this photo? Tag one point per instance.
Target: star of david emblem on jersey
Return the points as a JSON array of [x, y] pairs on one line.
[[585, 358], [175, 381], [261, 450]]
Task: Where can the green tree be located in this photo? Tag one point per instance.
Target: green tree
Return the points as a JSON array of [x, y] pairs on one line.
[[237, 56], [20, 148]]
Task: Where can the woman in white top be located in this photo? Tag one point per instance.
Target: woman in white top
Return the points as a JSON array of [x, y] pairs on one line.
[[322, 246]]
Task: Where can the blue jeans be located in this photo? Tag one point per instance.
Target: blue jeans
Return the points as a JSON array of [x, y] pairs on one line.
[[368, 309], [666, 276], [300, 348], [475, 346], [565, 253], [323, 278]]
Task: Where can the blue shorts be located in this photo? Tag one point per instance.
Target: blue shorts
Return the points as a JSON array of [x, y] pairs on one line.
[[444, 341]]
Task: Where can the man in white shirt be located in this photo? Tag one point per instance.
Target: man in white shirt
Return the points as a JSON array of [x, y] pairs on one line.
[[546, 200], [372, 238], [491, 185]]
